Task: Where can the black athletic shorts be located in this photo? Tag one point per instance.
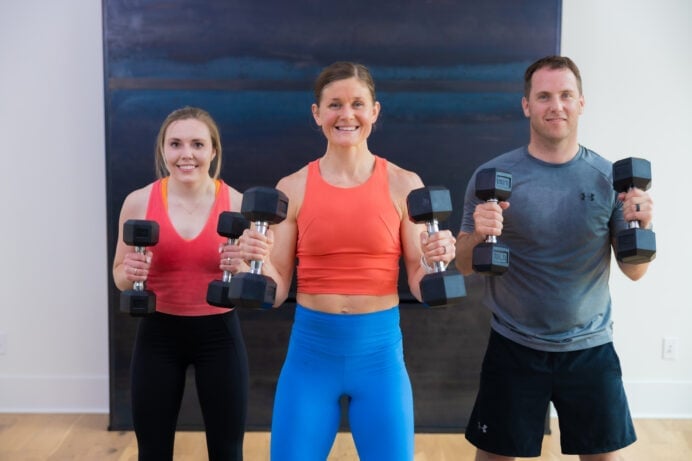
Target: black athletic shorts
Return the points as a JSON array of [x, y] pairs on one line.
[[517, 384]]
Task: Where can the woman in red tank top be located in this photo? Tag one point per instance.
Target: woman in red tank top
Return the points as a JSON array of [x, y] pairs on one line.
[[185, 330]]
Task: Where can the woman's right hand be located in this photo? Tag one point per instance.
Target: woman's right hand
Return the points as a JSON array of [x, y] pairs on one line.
[[231, 259], [136, 265]]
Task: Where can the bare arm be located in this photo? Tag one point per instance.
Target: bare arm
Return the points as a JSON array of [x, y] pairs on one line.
[[415, 241], [464, 254], [633, 271], [487, 218], [281, 262], [410, 240], [277, 249], [236, 198], [129, 266], [282, 259], [229, 253]]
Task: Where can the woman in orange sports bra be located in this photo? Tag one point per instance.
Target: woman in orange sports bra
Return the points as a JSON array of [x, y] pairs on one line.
[[347, 226], [185, 330]]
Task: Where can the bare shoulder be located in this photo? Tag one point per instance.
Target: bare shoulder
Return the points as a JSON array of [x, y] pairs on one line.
[[235, 197], [402, 181], [293, 186], [135, 204]]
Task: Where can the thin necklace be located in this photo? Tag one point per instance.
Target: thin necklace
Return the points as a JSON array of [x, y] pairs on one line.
[[192, 210], [198, 202]]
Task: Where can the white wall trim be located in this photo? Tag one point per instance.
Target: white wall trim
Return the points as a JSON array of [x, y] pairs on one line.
[[54, 394], [660, 399]]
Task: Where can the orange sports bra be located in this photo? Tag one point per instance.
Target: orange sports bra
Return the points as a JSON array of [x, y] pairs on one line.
[[348, 238]]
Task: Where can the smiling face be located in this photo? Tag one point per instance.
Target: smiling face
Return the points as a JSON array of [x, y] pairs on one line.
[[212, 138], [346, 112], [553, 106], [188, 150]]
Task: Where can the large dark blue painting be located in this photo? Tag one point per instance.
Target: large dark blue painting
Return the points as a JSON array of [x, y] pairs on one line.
[[449, 77]]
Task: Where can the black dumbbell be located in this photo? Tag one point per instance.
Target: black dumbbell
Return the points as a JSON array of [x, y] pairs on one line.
[[430, 205], [634, 245], [231, 225], [141, 234], [490, 257], [261, 206]]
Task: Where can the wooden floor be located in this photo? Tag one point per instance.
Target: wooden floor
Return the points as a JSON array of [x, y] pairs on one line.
[[76, 437]]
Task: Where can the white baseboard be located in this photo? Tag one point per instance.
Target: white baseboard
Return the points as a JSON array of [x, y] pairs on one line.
[[660, 399], [54, 394]]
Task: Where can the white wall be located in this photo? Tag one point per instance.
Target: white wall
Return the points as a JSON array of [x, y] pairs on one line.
[[637, 72], [52, 195], [53, 289]]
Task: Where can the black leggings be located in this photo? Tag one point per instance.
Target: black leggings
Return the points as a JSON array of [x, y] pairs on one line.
[[165, 346]]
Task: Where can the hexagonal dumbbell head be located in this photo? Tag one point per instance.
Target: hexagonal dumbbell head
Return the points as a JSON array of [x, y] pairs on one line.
[[264, 204], [442, 289], [141, 232], [428, 203], [231, 224], [137, 303], [634, 245], [492, 183], [252, 291], [631, 172], [490, 258]]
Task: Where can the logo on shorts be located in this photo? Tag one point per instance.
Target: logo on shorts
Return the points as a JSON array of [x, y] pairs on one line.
[[483, 428]]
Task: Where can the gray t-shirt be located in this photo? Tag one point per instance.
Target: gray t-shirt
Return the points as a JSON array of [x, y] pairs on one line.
[[558, 228]]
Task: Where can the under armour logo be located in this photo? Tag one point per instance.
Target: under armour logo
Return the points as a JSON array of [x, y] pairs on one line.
[[483, 428], [584, 195]]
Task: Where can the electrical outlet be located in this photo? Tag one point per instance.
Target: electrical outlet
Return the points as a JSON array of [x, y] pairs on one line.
[[3, 343], [670, 348]]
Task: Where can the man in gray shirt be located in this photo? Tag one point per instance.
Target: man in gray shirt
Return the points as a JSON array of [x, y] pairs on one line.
[[551, 328]]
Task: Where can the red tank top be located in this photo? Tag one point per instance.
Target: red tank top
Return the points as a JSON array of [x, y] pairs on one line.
[[348, 238], [181, 269]]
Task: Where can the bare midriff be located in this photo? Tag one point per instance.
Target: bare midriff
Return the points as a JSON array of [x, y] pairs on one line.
[[347, 304]]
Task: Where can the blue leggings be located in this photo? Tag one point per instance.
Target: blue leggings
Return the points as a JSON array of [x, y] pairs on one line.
[[332, 355]]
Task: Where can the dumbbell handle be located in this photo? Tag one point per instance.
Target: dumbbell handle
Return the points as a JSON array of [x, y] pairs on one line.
[[491, 238], [227, 275], [256, 265], [633, 224], [432, 227], [139, 284]]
